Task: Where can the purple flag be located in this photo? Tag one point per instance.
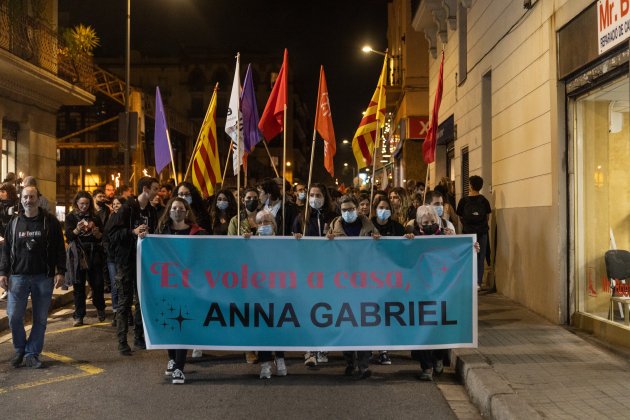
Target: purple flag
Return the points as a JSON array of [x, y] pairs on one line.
[[249, 109], [161, 140]]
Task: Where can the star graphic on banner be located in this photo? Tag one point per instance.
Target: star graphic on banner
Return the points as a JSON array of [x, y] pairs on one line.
[[180, 319]]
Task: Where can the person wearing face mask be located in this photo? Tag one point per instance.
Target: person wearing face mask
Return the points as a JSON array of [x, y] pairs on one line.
[[86, 256], [320, 215], [299, 195], [266, 222], [351, 223], [178, 219], [271, 198], [436, 199], [249, 209], [222, 210], [191, 194], [117, 203]]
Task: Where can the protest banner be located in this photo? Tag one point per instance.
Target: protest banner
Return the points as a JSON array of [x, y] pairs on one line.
[[233, 293]]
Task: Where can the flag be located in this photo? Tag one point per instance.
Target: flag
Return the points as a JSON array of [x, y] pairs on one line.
[[206, 170], [249, 109], [234, 120], [272, 121], [324, 124], [428, 146], [366, 137], [161, 140]]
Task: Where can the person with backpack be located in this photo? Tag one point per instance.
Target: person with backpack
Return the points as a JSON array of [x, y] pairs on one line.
[[474, 212]]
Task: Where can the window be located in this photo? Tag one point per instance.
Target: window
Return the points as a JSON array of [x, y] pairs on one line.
[[602, 199], [9, 147], [465, 173]]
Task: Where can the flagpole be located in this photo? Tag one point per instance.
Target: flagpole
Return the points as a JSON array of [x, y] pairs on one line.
[[310, 168], [170, 149], [238, 179], [227, 160], [378, 136], [270, 159], [284, 170], [216, 87]]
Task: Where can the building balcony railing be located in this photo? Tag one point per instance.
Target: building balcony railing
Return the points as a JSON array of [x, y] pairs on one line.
[[34, 41]]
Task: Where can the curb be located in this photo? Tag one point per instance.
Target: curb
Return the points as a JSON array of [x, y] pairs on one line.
[[58, 300], [492, 394]]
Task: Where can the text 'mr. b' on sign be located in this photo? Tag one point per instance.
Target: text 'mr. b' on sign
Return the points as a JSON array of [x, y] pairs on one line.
[[613, 23]]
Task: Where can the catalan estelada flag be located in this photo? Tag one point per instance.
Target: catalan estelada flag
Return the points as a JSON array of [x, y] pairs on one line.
[[206, 170], [366, 138]]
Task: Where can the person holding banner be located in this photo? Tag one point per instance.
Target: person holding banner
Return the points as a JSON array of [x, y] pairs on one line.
[[271, 197], [320, 214], [267, 226], [132, 222], [248, 214], [351, 223], [222, 210], [191, 194], [299, 196], [178, 219]]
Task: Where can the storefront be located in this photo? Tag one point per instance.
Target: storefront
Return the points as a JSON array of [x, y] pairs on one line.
[[597, 89]]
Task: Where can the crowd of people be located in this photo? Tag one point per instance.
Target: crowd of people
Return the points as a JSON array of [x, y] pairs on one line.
[[104, 226]]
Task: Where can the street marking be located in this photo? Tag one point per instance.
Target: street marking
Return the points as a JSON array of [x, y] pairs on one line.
[[98, 324], [85, 368]]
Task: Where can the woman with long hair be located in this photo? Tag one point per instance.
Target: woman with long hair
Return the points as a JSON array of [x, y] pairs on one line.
[[177, 219], [117, 203], [192, 196], [222, 210]]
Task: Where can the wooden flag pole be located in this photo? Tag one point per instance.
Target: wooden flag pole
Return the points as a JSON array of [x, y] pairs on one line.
[[238, 177], [310, 175], [284, 171], [227, 160], [270, 159], [170, 149], [378, 136]]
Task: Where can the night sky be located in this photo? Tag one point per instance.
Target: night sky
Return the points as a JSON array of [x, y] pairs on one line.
[[319, 32]]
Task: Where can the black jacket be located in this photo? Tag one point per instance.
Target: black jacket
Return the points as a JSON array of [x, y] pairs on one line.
[[55, 252], [120, 238]]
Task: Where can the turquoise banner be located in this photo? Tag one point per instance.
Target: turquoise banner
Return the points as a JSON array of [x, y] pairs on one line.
[[232, 293]]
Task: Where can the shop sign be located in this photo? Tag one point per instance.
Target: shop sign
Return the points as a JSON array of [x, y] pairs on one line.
[[418, 127], [613, 23]]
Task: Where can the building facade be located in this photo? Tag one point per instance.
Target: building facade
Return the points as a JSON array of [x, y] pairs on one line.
[[539, 102], [35, 82]]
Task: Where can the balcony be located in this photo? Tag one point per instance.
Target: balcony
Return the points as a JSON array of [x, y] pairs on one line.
[[31, 63]]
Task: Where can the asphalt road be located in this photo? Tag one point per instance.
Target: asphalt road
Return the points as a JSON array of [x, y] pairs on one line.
[[85, 377]]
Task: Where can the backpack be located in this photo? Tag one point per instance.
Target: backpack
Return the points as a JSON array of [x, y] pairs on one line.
[[474, 212]]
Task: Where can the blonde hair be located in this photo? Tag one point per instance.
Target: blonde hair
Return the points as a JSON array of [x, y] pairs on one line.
[[426, 210]]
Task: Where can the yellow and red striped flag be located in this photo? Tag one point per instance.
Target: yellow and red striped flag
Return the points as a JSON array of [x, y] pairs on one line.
[[366, 138], [206, 171]]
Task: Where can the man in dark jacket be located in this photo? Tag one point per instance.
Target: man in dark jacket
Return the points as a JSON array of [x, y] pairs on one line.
[[33, 255], [134, 220]]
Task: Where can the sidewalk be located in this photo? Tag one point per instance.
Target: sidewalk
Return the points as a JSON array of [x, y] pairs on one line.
[[59, 299], [527, 368]]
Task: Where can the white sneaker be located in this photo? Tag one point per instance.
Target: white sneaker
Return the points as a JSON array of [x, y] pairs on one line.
[[265, 370], [322, 357], [196, 353], [178, 377], [281, 367], [170, 367]]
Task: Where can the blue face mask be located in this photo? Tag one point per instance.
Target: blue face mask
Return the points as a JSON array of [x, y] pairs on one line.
[[349, 216], [265, 230], [222, 205], [439, 210], [188, 199], [301, 196], [383, 214]]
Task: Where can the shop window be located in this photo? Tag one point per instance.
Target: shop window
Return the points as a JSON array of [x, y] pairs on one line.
[[602, 196], [9, 147]]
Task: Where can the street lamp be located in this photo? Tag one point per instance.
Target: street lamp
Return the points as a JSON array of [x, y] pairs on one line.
[[367, 49]]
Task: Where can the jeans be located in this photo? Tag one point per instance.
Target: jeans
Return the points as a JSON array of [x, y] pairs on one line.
[[95, 279], [481, 255], [127, 296], [40, 287], [111, 269]]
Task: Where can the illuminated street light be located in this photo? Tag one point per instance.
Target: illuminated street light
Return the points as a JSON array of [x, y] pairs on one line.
[[345, 141], [345, 164], [288, 163], [367, 49]]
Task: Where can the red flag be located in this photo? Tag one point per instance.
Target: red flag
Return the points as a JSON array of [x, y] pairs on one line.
[[272, 121], [428, 147], [324, 124]]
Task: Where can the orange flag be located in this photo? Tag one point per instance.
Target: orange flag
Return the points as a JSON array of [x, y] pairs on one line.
[[324, 124], [272, 121]]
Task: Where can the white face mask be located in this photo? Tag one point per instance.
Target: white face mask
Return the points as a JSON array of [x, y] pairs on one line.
[[265, 230], [316, 202], [349, 216]]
